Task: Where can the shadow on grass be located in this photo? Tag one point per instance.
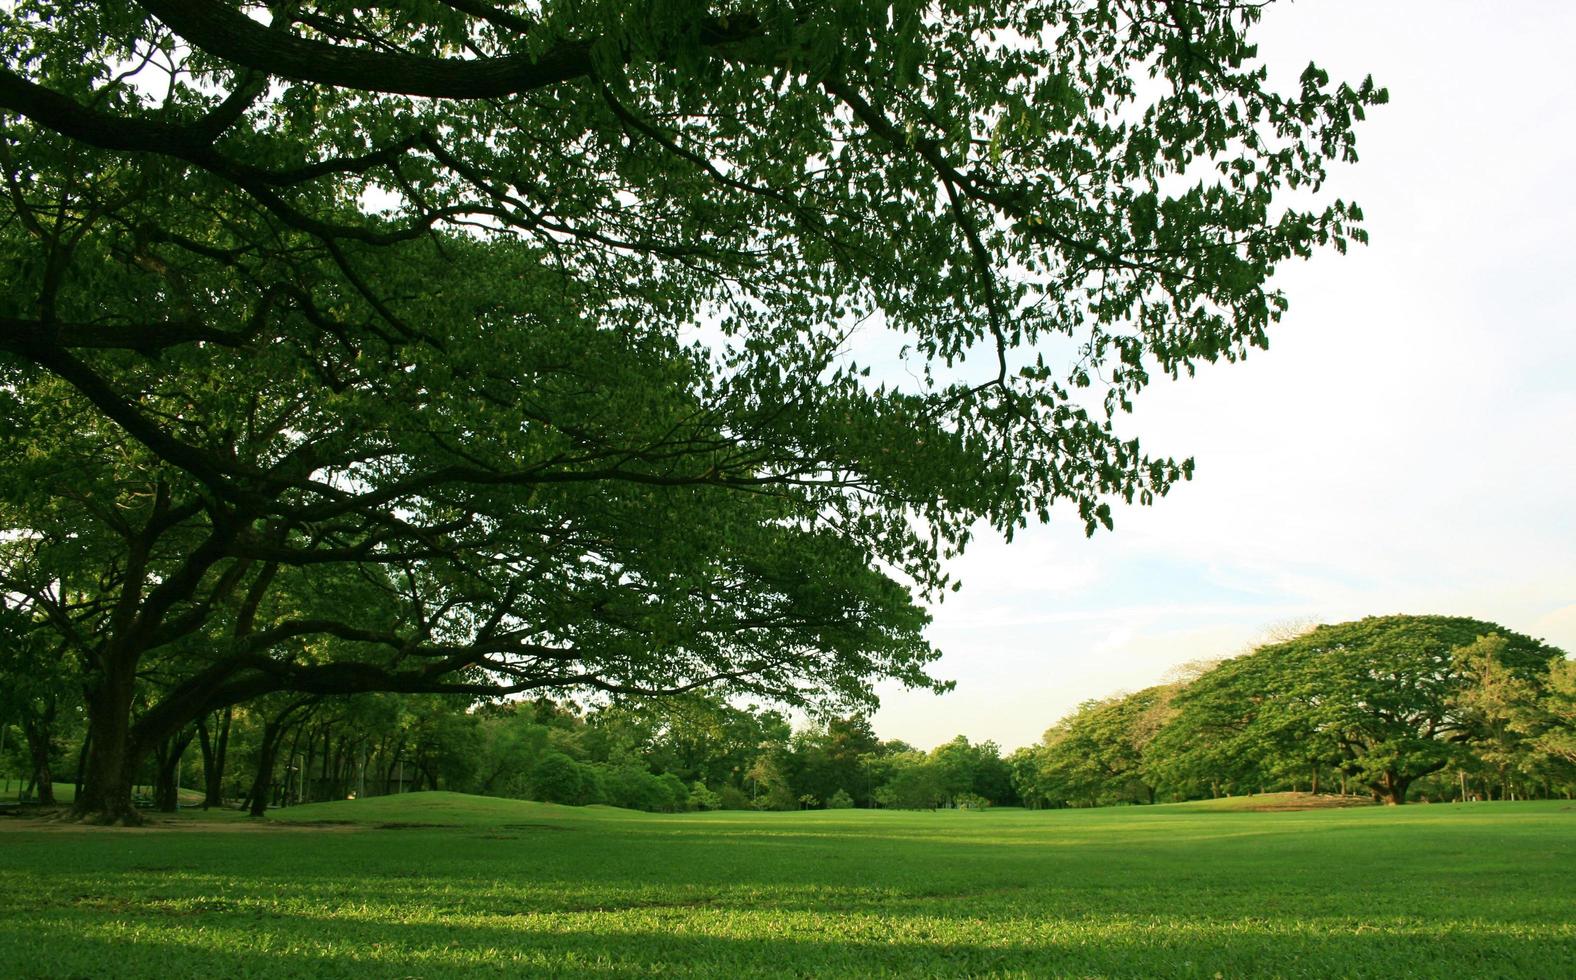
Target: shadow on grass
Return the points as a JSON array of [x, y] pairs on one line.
[[697, 945], [639, 900]]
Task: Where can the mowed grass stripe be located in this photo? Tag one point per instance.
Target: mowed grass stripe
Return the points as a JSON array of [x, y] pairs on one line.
[[518, 888]]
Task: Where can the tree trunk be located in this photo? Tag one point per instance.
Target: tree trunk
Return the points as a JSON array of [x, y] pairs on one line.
[[205, 744], [273, 731], [341, 768], [388, 775], [213, 758], [38, 729], [322, 790], [166, 783], [106, 787], [82, 764], [376, 759], [1392, 789], [290, 757]]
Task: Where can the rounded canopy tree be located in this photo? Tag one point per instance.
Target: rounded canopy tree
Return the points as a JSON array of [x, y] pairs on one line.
[[523, 326], [1379, 698]]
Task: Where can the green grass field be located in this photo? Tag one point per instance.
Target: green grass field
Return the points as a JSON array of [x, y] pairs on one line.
[[440, 885], [11, 790]]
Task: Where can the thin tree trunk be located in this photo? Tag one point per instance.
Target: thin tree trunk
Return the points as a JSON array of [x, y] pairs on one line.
[[303, 777], [214, 752], [206, 745], [274, 730], [166, 785], [322, 788], [82, 762], [264, 777], [388, 776], [295, 744], [222, 755], [38, 729]]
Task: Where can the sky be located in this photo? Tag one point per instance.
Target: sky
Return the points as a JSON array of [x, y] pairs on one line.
[[1406, 445]]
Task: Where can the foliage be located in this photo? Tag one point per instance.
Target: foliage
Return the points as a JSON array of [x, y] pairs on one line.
[[1095, 755], [356, 351], [1554, 718], [1384, 700], [701, 798], [969, 770], [556, 778], [915, 783], [769, 786]]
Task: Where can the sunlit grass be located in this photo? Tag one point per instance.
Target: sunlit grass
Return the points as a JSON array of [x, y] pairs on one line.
[[438, 885]]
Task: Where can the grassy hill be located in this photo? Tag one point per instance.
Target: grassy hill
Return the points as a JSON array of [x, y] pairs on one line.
[[441, 885]]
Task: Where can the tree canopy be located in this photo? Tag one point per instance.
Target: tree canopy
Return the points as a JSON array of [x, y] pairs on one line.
[[474, 347], [1377, 704]]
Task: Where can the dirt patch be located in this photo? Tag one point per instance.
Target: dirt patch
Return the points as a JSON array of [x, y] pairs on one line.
[[55, 826], [324, 823], [31, 811], [405, 825], [1305, 801]]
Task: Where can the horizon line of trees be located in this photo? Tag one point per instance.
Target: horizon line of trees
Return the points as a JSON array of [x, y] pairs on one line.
[[690, 753], [1396, 707], [1400, 707]]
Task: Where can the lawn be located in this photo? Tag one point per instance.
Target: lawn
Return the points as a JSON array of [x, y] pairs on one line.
[[440, 885], [65, 792]]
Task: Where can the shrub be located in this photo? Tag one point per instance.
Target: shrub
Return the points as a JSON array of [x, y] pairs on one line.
[[701, 798], [733, 798], [676, 793], [556, 778]]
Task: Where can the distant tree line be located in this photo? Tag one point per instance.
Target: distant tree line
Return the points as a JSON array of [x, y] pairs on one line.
[[687, 753], [1399, 707]]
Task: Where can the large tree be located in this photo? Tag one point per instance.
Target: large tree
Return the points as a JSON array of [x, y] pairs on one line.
[[1387, 699], [476, 347]]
